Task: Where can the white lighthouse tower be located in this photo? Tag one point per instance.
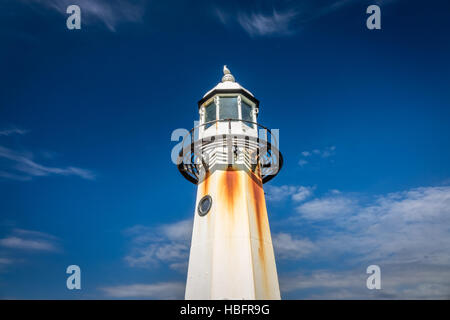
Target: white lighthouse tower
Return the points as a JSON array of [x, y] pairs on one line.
[[229, 157]]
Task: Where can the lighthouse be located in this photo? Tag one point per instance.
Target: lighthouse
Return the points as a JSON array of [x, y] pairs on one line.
[[229, 156]]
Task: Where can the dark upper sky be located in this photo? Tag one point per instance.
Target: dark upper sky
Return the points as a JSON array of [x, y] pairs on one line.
[[86, 118]]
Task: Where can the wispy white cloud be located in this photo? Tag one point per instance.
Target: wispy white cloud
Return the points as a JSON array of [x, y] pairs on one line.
[[19, 243], [302, 162], [222, 15], [275, 23], [406, 233], [166, 244], [327, 208], [287, 247], [26, 168], [406, 226], [5, 261], [13, 176], [21, 239], [328, 152], [162, 290], [399, 281], [110, 12], [321, 153], [178, 231], [322, 279], [281, 193], [302, 193], [12, 130], [324, 153], [287, 19], [33, 233], [306, 153]]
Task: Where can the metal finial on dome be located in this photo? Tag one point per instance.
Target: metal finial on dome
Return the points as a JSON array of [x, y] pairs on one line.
[[227, 76]]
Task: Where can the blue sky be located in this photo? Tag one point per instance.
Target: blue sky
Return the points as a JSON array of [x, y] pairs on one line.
[[86, 118]]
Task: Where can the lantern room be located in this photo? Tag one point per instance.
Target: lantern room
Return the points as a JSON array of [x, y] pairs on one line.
[[228, 106], [228, 135]]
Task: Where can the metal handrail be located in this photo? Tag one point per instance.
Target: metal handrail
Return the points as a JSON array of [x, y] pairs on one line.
[[229, 120], [183, 167]]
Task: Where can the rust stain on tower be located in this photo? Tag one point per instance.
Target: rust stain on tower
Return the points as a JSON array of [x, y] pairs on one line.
[[257, 200], [205, 183], [230, 184], [259, 208]]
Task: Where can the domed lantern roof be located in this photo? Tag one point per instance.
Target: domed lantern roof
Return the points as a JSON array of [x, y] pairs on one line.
[[226, 86]]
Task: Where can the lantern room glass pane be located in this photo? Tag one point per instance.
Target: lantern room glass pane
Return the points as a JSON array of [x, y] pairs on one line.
[[247, 113], [228, 108], [210, 114]]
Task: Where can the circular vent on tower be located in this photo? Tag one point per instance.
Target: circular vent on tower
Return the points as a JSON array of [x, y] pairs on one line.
[[204, 205]]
